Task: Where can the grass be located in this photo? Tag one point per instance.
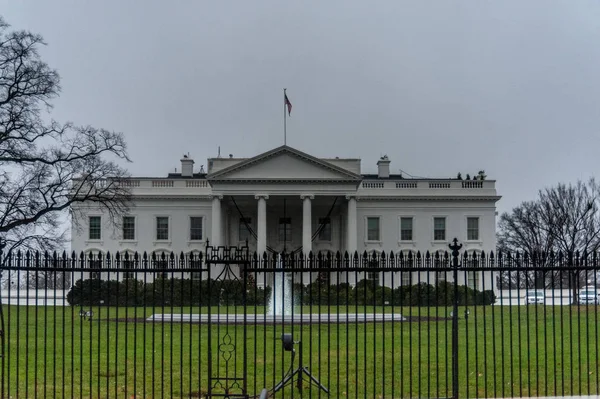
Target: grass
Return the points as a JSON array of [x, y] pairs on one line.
[[503, 352]]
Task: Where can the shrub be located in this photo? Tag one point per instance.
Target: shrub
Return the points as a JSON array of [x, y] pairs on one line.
[[165, 292], [188, 292]]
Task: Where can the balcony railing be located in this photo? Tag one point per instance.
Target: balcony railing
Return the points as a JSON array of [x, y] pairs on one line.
[[200, 185], [143, 184], [440, 185]]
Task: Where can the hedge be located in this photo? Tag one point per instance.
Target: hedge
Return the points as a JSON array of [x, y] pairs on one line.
[[188, 292]]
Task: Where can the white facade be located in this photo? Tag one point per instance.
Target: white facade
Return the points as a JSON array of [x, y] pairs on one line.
[[382, 212]]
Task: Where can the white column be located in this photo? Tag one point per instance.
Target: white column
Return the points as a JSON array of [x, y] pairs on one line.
[[306, 223], [261, 233], [351, 229], [351, 240], [216, 229]]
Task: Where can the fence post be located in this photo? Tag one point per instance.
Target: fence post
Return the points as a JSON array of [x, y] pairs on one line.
[[2, 343], [455, 247]]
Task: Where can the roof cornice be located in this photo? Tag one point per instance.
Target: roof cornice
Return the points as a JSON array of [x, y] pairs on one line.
[[357, 196], [286, 180]]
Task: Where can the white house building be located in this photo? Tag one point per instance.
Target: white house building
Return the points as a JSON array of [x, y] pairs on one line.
[[291, 200]]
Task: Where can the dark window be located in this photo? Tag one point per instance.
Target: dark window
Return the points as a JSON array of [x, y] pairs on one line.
[[162, 228], [129, 228], [196, 228], [472, 228], [325, 233], [439, 229], [373, 229], [406, 229], [95, 228], [243, 231], [285, 229]]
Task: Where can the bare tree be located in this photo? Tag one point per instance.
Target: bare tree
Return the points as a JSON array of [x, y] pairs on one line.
[[47, 168], [571, 217], [564, 218], [521, 231]]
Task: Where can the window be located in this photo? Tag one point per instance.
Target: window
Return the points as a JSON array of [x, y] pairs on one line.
[[196, 228], [129, 228], [195, 262], [196, 275], [439, 229], [472, 228], [285, 229], [95, 228], [127, 262], [243, 231], [162, 228], [95, 264], [440, 277], [373, 276], [405, 279], [373, 229], [372, 273], [406, 229], [473, 280], [160, 265], [325, 233]]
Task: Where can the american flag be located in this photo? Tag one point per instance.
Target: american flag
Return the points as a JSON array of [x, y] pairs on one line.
[[288, 103]]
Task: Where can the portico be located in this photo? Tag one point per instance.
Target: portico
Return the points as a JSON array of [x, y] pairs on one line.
[[274, 223], [284, 200]]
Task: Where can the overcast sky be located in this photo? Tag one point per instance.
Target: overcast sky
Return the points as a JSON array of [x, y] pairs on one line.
[[510, 87]]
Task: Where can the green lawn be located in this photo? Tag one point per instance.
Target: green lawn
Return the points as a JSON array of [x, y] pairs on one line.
[[503, 351]]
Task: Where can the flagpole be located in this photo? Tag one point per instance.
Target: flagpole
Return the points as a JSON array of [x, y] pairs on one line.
[[284, 120]]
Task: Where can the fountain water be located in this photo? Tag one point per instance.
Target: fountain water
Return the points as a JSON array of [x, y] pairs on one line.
[[279, 310], [281, 300]]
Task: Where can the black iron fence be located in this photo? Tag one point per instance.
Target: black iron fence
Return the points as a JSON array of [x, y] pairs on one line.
[[230, 324]]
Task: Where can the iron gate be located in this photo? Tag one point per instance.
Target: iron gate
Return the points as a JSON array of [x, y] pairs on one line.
[[227, 327]]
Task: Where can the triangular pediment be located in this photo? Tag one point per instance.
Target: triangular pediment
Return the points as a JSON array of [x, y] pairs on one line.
[[284, 163]]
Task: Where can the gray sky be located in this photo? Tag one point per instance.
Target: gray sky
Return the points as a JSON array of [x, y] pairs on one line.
[[510, 87]]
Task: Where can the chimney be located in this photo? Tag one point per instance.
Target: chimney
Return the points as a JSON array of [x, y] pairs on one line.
[[383, 166], [187, 166]]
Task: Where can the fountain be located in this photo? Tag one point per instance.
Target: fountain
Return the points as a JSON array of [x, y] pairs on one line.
[[280, 309], [281, 300]]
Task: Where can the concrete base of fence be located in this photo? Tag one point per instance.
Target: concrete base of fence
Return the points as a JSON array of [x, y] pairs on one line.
[[271, 319]]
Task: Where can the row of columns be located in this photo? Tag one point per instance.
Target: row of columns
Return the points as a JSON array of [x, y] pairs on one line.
[[261, 233]]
